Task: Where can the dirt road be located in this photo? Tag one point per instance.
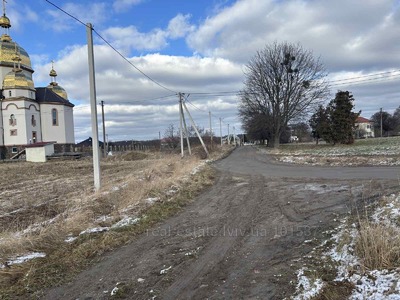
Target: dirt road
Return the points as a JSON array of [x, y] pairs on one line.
[[241, 239]]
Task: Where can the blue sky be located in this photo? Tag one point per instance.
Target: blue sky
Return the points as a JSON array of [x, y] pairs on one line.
[[201, 46]]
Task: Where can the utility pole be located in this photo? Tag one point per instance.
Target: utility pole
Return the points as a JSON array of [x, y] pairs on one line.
[[186, 133], [211, 134], [229, 139], [220, 129], [234, 135], [195, 129], [93, 106], [104, 129], [381, 124], [107, 141], [181, 122]]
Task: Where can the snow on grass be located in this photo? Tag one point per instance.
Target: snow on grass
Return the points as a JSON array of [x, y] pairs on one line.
[[94, 230], [306, 288], [368, 284], [388, 214], [378, 151], [23, 258], [152, 200], [126, 222]]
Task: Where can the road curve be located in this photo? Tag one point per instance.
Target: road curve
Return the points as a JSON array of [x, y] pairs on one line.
[[249, 160], [244, 238]]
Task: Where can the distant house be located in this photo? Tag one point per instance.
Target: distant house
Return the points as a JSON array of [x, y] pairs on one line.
[[364, 128]]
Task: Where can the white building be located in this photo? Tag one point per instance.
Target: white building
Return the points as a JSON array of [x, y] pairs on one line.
[[27, 114], [364, 128]]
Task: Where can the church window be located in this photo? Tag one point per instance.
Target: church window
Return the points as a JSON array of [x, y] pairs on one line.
[[13, 120], [9, 93], [54, 116], [33, 121], [13, 132]]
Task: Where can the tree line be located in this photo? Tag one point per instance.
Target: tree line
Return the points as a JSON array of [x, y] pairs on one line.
[[284, 84]]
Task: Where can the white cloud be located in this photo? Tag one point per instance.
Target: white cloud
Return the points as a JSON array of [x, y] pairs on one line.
[[331, 29], [95, 13], [19, 16], [353, 40], [120, 5], [125, 90], [128, 38], [179, 26]]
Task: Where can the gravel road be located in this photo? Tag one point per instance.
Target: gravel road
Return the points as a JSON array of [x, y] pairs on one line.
[[241, 239]]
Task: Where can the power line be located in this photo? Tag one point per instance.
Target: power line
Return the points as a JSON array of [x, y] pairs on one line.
[[367, 80], [363, 76], [65, 12], [129, 62], [112, 47]]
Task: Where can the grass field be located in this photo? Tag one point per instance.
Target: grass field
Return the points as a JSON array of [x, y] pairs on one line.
[[376, 151], [50, 211]]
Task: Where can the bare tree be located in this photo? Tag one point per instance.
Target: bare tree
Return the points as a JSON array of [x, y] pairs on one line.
[[171, 136], [283, 81]]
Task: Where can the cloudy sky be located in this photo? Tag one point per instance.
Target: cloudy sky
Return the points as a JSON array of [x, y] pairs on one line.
[[200, 48]]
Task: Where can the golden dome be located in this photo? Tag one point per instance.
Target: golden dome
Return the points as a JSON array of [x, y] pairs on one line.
[[5, 22], [17, 79], [8, 49], [53, 73], [58, 90]]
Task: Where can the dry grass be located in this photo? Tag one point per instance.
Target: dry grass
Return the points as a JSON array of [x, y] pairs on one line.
[[42, 204], [378, 246], [335, 290]]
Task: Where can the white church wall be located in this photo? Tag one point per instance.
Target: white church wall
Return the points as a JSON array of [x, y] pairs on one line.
[[14, 128], [69, 125], [19, 93], [50, 132], [32, 119]]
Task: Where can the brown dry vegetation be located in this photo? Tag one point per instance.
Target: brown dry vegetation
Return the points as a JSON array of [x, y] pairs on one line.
[[378, 246], [43, 204]]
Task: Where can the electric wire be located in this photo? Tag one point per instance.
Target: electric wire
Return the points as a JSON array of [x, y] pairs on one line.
[[113, 48], [339, 82]]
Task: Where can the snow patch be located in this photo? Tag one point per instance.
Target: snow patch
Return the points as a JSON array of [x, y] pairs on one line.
[[126, 222], [95, 230], [24, 258], [307, 289], [165, 271], [152, 200]]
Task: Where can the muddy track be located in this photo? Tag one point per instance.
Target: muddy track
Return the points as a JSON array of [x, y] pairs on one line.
[[242, 239]]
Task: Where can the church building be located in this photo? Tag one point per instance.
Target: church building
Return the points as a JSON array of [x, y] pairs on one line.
[[29, 114]]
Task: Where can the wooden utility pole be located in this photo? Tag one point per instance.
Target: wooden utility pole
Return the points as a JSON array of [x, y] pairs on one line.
[[104, 129], [93, 106]]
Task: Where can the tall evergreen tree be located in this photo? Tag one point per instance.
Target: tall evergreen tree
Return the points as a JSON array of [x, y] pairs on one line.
[[341, 119], [335, 123]]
